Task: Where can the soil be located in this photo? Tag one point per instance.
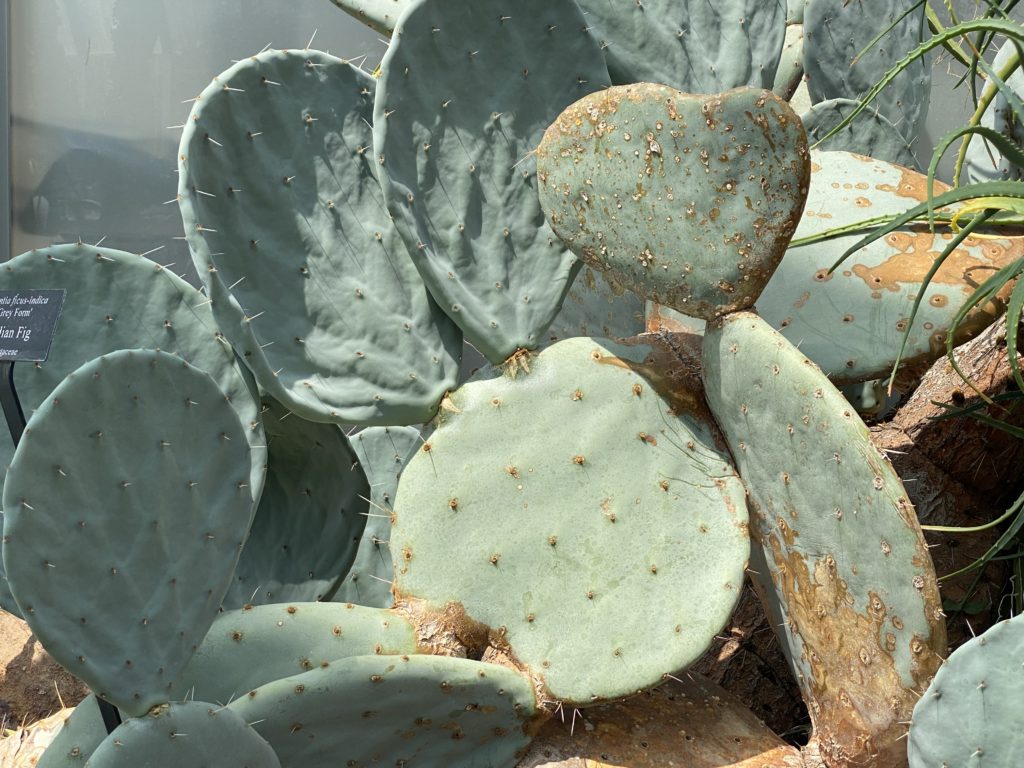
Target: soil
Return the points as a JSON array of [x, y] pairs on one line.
[[32, 685]]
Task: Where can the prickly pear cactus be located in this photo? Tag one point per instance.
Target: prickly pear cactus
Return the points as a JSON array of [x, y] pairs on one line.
[[871, 133], [837, 32], [842, 557], [455, 155], [686, 200], [306, 274], [250, 647], [383, 453], [311, 517], [117, 300], [691, 45], [851, 322], [600, 554], [424, 711], [185, 733], [131, 478], [970, 714]]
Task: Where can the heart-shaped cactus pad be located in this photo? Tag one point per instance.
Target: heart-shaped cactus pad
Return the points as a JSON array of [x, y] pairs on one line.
[[688, 200]]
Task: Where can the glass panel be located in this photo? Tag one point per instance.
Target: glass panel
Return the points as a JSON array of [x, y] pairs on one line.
[[95, 85]]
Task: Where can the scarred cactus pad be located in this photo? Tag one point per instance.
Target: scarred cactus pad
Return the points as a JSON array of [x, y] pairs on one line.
[[687, 200]]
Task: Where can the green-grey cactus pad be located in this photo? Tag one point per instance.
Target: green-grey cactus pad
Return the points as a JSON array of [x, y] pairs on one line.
[[78, 738], [466, 92], [840, 64], [193, 733], [692, 45], [970, 715], [581, 511], [686, 200], [311, 517], [790, 73], [851, 323], [383, 453], [380, 15], [247, 648], [423, 711], [871, 133], [131, 478], [846, 560], [983, 161], [287, 226], [117, 300]]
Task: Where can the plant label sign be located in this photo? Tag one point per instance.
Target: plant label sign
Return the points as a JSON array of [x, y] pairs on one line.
[[27, 322]]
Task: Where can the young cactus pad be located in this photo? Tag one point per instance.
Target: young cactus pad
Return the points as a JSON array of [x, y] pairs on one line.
[[131, 478], [422, 711], [582, 514], [78, 737], [970, 715], [465, 93], [311, 516], [851, 322], [686, 200], [191, 733], [692, 45], [847, 568], [117, 300], [287, 226], [383, 453], [247, 648]]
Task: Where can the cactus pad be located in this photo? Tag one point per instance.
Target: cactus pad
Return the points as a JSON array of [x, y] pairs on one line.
[[288, 230], [871, 133], [847, 564], [78, 737], [836, 34], [186, 734], [247, 648], [970, 714], [686, 200], [380, 15], [423, 711], [851, 323], [692, 45], [383, 453], [117, 300], [310, 518], [456, 162], [583, 513], [131, 478]]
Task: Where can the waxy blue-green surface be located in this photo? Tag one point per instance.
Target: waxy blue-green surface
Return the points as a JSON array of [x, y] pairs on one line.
[[116, 300], [584, 512], [311, 517], [130, 481], [970, 715], [193, 734], [465, 94], [422, 711], [692, 45], [288, 230], [840, 64], [383, 453]]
